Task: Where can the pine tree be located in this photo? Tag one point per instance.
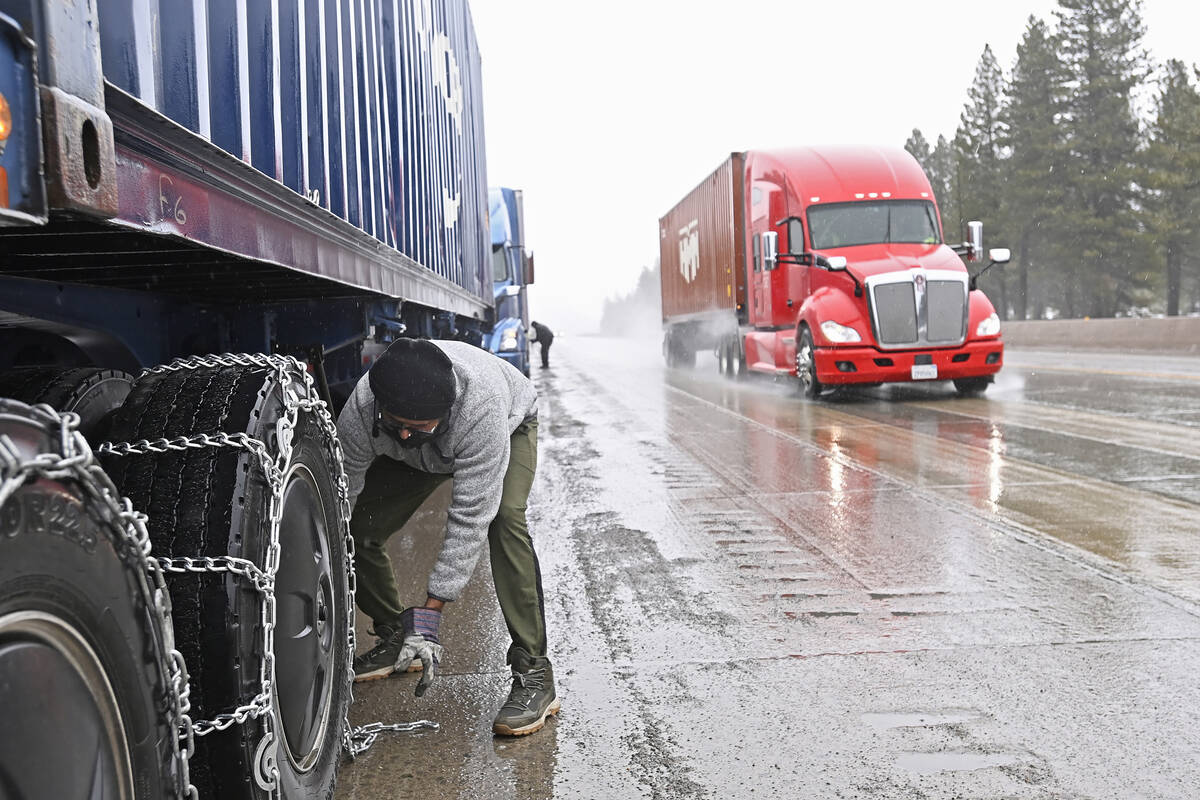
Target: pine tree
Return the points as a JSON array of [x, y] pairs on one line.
[[941, 172], [1101, 46], [978, 155], [1034, 194], [1173, 177], [918, 146], [938, 166]]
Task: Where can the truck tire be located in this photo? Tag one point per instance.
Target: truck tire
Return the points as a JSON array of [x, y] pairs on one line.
[[91, 392], [684, 356], [971, 387], [85, 663], [729, 360], [670, 351], [213, 502], [676, 352], [806, 366]]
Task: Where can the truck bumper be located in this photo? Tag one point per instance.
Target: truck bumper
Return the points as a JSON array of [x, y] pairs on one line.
[[843, 365]]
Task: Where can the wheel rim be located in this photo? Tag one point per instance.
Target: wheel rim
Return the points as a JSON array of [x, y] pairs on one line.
[[51, 675], [804, 366], [305, 621]]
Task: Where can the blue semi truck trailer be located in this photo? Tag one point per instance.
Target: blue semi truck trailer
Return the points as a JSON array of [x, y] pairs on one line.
[[208, 209], [512, 273]]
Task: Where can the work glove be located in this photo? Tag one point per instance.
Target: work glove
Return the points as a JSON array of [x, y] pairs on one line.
[[419, 627]]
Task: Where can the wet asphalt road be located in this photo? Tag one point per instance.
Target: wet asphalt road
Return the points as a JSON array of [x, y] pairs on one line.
[[892, 594]]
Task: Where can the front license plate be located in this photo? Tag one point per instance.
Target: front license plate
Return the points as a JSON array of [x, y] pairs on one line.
[[924, 372]]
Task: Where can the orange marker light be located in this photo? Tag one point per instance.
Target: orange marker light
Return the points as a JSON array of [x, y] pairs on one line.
[[5, 118]]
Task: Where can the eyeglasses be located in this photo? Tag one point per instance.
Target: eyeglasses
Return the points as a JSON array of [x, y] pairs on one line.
[[394, 428]]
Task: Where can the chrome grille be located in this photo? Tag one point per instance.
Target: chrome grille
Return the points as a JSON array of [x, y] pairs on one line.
[[918, 309], [896, 309], [945, 302]]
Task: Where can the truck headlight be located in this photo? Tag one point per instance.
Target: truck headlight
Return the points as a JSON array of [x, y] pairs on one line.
[[841, 334], [508, 341], [989, 327]]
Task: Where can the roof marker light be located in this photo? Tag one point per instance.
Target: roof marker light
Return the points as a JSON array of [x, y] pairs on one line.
[[873, 194], [859, 196], [924, 194], [887, 194], [814, 199]]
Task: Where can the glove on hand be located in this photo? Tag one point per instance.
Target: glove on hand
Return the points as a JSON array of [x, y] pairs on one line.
[[420, 629]]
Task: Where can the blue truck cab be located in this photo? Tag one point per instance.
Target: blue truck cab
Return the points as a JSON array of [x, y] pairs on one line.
[[512, 273]]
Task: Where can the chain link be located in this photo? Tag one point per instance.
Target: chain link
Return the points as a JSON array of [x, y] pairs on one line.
[[75, 462], [237, 566], [362, 737]]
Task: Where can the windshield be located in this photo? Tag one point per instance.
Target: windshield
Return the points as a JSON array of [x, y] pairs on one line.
[[846, 224], [499, 263]]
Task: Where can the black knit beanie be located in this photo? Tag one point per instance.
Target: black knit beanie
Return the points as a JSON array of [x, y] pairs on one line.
[[413, 379]]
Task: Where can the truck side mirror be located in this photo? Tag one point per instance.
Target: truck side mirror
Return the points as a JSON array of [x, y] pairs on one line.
[[975, 240], [836, 263], [528, 268], [996, 256], [770, 244]]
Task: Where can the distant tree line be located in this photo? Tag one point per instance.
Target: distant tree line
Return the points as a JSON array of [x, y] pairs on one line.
[[1099, 203], [638, 313]]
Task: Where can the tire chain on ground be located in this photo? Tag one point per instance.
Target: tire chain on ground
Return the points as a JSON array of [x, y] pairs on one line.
[[75, 461]]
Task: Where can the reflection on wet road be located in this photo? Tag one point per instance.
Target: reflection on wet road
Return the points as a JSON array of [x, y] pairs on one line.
[[893, 593]]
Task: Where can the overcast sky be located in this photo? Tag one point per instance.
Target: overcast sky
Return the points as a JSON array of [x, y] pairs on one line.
[[607, 113]]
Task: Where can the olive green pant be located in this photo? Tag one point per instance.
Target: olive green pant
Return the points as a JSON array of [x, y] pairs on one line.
[[392, 493]]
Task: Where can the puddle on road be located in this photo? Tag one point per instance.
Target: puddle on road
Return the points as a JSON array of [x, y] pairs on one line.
[[917, 719], [930, 763]]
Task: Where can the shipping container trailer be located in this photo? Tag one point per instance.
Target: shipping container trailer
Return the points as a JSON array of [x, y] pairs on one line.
[[862, 290], [512, 273], [280, 183]]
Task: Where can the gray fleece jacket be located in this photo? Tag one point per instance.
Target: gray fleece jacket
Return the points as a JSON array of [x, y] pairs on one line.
[[491, 399]]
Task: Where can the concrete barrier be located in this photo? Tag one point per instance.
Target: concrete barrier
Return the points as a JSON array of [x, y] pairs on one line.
[[1173, 334]]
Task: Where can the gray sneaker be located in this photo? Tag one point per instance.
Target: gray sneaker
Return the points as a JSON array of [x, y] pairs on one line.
[[380, 660], [531, 699]]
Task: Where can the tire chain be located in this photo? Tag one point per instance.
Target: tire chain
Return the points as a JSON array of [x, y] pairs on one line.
[[75, 461], [289, 372], [298, 394]]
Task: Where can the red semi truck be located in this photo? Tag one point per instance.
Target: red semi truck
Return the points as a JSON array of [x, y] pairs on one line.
[[827, 263]]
